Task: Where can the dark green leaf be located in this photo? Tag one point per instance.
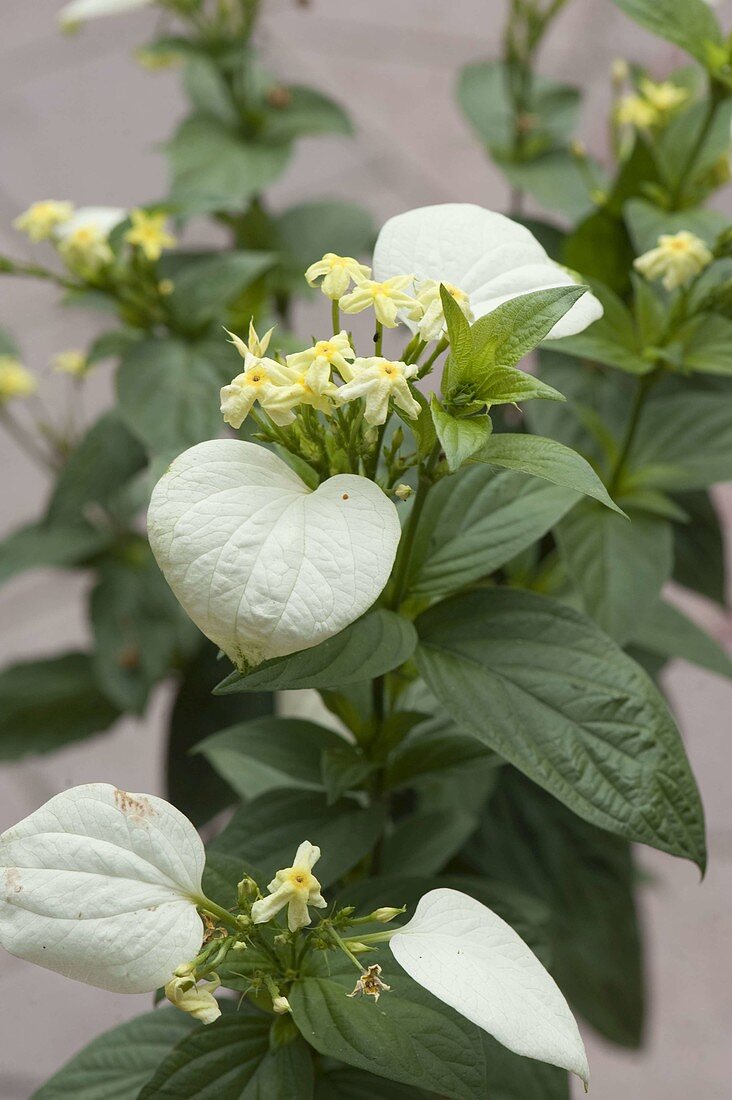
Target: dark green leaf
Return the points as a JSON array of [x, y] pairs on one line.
[[690, 24], [307, 231], [555, 180], [168, 391], [232, 1060], [117, 1064], [305, 112], [42, 545], [267, 831], [192, 784], [684, 441], [585, 877], [270, 753], [545, 458], [699, 553], [613, 340], [47, 704], [207, 284], [474, 523], [352, 1084], [618, 566], [343, 769], [544, 687], [669, 633], [370, 647], [206, 87], [425, 754], [647, 222], [424, 842]]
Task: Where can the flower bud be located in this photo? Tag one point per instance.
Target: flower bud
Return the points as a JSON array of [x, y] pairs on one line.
[[280, 1005], [246, 891], [385, 914], [403, 492]]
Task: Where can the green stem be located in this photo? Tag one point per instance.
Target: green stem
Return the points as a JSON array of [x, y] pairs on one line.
[[426, 367], [643, 386], [378, 338], [335, 314], [345, 949], [24, 441], [223, 915], [715, 97], [406, 548]]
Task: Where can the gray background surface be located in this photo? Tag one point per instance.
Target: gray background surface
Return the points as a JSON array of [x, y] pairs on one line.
[[80, 120]]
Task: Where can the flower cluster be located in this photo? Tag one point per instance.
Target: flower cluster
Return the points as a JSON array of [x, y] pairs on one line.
[[82, 236], [651, 105]]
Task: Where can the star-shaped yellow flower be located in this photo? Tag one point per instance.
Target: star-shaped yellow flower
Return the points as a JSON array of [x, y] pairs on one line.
[[378, 380], [387, 299], [337, 273], [295, 887], [148, 233]]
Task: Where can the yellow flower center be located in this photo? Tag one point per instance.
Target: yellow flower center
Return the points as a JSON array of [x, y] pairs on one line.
[[301, 879]]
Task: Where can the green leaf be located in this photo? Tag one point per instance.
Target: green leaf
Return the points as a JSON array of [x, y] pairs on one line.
[[118, 1063], [600, 249], [426, 754], [267, 831], [691, 136], [706, 346], [500, 340], [192, 784], [343, 769], [586, 878], [339, 1083], [690, 24], [95, 474], [459, 438], [669, 633], [266, 754], [555, 180], [47, 704], [415, 1039], [613, 340], [647, 222], [208, 283], [412, 1037], [168, 391], [545, 458], [307, 231], [231, 1059], [306, 113], [40, 545], [214, 168], [543, 686], [684, 441], [8, 345], [205, 86], [139, 628], [375, 644], [618, 566], [699, 554], [474, 523], [425, 841]]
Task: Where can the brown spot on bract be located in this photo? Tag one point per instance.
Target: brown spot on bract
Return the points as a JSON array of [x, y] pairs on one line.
[[135, 807], [345, 496], [13, 884]]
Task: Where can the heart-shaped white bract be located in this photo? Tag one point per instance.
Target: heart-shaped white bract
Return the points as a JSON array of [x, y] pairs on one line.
[[262, 564], [484, 254], [101, 886], [468, 957], [78, 10]]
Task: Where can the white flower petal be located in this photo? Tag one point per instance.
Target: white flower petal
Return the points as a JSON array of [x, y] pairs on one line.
[[489, 257], [78, 10], [472, 960], [262, 565], [101, 218], [99, 885]]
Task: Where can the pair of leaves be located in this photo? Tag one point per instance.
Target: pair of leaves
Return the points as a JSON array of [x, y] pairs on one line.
[[546, 689]]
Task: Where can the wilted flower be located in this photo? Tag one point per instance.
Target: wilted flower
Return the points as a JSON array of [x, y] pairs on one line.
[[197, 999], [370, 984]]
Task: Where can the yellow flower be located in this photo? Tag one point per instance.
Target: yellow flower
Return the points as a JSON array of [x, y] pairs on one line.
[[197, 1000], [386, 298], [432, 323], [634, 110], [15, 380], [71, 362], [85, 249], [41, 218], [678, 259], [148, 233], [295, 887], [318, 360], [664, 97], [256, 347], [337, 272], [378, 380]]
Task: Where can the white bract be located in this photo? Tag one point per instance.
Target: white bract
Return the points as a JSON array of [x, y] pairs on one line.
[[472, 960], [79, 10], [100, 219], [262, 564], [102, 886], [486, 256]]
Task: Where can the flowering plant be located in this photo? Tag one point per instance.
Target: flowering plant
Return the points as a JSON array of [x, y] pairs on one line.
[[462, 557]]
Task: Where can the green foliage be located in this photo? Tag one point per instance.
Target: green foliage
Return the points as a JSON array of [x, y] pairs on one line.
[[690, 24], [699, 547], [585, 877], [47, 704], [574, 713], [669, 633], [234, 1058], [373, 645], [117, 1064]]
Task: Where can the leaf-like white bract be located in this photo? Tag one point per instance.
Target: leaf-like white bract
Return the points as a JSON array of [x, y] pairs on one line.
[[78, 10], [101, 886], [484, 254], [262, 564], [468, 957]]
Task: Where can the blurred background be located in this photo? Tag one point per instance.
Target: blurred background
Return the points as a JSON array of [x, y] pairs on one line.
[[79, 119]]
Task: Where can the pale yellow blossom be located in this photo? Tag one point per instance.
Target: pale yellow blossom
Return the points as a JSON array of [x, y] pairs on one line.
[[148, 233], [378, 380], [15, 379], [388, 299], [295, 887], [41, 218], [634, 110], [197, 1000], [432, 323], [337, 273], [664, 97], [322, 357], [71, 362], [677, 259]]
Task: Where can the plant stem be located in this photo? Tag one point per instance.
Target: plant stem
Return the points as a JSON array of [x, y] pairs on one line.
[[220, 913], [406, 548], [335, 316], [643, 386], [378, 338], [345, 949], [715, 97], [24, 441]]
